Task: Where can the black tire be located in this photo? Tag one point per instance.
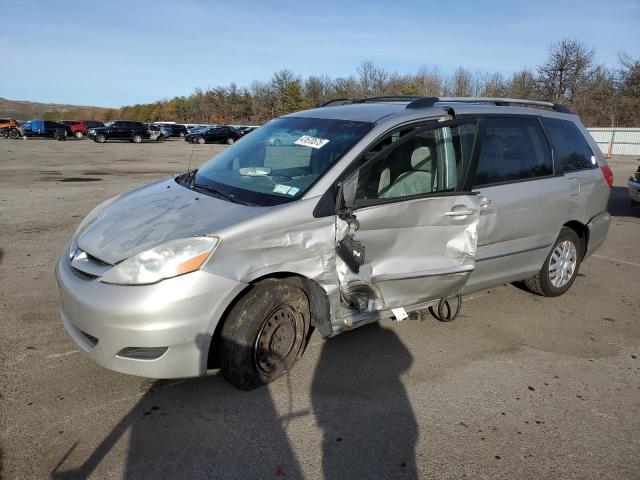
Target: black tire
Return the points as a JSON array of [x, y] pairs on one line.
[[136, 138], [541, 283], [265, 334], [78, 134], [100, 138], [13, 133], [277, 142], [201, 140]]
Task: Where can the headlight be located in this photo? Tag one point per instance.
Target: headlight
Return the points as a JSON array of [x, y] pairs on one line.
[[92, 131], [164, 261]]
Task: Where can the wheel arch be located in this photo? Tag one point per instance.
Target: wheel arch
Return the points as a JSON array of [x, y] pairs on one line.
[[319, 307], [582, 231]]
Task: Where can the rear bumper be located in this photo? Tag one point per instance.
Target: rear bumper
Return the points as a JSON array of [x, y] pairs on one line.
[[598, 229], [634, 190], [179, 314]]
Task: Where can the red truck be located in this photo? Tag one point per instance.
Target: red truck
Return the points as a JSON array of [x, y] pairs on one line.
[[80, 128]]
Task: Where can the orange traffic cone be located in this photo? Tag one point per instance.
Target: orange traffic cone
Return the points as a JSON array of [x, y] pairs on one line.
[[610, 148]]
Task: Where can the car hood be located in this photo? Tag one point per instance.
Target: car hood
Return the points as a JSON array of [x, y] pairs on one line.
[[154, 214]]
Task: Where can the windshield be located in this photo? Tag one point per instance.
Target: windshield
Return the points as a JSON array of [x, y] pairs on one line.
[[277, 163]]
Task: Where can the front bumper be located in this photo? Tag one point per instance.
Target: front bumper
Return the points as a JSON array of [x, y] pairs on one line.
[[180, 313], [634, 190]]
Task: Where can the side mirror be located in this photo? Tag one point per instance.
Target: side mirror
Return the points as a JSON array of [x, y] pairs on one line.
[[347, 192]]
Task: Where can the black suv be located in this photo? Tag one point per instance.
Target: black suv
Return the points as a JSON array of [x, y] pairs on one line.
[[214, 135], [120, 130]]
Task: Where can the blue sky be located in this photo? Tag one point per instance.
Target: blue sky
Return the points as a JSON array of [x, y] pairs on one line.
[[114, 53]]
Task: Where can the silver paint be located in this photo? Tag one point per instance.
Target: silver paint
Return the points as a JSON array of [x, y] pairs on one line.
[[414, 252]]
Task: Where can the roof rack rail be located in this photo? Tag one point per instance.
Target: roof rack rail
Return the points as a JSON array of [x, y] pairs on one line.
[[386, 98], [425, 102], [337, 101]]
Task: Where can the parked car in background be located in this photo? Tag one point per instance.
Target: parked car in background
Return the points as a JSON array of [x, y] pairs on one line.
[[167, 131], [225, 134], [634, 188], [378, 208], [177, 130], [246, 130], [285, 138], [78, 128], [199, 128], [156, 132], [9, 127], [47, 129], [120, 130]]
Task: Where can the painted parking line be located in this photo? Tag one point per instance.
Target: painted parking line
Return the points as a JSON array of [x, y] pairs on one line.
[[610, 259], [56, 355]]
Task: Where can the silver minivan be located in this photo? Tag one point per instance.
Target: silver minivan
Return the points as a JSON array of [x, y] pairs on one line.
[[378, 207]]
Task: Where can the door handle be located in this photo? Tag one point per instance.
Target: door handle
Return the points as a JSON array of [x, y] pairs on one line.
[[460, 213]]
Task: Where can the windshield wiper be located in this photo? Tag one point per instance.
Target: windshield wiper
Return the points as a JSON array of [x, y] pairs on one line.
[[217, 192]]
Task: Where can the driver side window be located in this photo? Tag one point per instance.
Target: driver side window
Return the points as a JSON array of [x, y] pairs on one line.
[[429, 160]]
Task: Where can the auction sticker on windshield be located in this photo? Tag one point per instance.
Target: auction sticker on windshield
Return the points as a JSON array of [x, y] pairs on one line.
[[313, 142], [283, 189]]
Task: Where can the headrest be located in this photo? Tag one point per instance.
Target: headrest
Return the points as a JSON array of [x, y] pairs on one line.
[[419, 158]]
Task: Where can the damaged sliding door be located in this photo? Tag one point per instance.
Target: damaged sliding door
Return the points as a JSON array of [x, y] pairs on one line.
[[406, 230]]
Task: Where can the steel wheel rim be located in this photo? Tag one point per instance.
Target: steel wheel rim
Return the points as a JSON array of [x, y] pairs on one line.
[[562, 264], [279, 341]]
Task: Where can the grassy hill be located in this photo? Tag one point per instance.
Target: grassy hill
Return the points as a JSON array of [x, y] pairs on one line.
[[25, 110]]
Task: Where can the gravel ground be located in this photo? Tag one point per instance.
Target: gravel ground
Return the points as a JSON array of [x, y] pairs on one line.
[[518, 386]]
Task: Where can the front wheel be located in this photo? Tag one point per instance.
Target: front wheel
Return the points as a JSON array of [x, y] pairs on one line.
[[201, 140], [560, 268], [265, 334], [136, 138], [78, 134], [100, 138], [14, 133], [230, 141]]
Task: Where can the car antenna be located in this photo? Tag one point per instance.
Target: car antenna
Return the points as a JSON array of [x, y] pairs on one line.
[[192, 149]]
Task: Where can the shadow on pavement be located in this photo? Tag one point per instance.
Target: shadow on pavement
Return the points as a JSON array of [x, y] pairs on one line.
[[205, 428], [368, 426]]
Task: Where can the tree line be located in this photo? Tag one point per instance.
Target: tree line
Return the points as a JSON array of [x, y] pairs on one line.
[[571, 74]]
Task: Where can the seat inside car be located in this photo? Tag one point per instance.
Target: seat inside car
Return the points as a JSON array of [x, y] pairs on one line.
[[419, 179]]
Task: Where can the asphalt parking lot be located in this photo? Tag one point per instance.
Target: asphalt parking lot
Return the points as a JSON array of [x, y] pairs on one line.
[[518, 386]]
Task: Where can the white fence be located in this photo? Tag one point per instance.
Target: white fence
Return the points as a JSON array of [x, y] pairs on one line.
[[623, 141]]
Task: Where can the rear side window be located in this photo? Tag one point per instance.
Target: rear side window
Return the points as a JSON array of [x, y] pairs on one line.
[[569, 146], [512, 149]]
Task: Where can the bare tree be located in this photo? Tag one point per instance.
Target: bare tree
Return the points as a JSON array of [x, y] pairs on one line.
[[569, 66], [570, 74], [373, 79], [461, 83], [523, 84]]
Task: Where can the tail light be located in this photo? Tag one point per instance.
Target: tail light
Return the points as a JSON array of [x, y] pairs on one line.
[[608, 175]]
